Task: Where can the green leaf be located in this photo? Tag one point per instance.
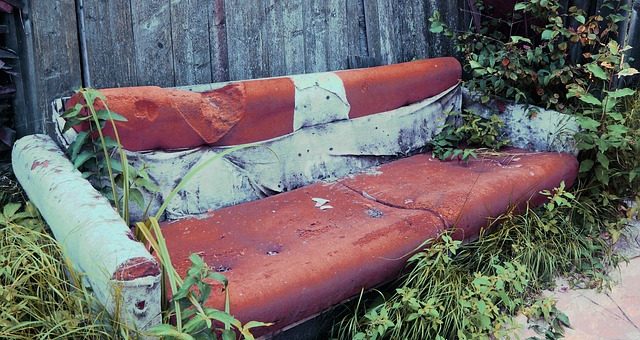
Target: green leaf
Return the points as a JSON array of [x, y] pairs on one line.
[[197, 261], [520, 6], [169, 331], [610, 103], [635, 173], [616, 116], [10, 209], [72, 112], [580, 18], [597, 71], [228, 334], [254, 324], [562, 317], [82, 158], [78, 143], [617, 129], [516, 39], [590, 99], [588, 123], [110, 142], [586, 165], [621, 93], [549, 34], [197, 323], [223, 317], [630, 71], [614, 47], [110, 115], [147, 184], [474, 64], [218, 277], [603, 160], [136, 196]]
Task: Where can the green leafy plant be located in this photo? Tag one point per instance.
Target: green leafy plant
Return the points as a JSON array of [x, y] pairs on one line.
[[569, 61], [101, 158], [550, 321], [465, 133]]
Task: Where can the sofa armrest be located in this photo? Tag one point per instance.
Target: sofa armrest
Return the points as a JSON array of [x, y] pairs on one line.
[[122, 273]]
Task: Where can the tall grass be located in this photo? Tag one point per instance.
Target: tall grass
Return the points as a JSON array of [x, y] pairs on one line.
[[41, 295]]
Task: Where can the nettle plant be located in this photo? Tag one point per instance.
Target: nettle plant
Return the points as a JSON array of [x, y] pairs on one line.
[[571, 62]]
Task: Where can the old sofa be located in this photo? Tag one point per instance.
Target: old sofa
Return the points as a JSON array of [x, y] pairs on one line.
[[338, 192]]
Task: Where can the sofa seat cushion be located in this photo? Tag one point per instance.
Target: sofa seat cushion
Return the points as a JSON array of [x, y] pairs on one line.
[[291, 256]]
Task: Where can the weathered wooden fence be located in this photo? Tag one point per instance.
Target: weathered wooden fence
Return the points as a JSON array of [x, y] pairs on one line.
[[180, 42], [66, 44]]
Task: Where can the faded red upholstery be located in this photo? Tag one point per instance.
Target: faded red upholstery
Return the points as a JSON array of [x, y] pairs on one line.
[[287, 260], [257, 110]]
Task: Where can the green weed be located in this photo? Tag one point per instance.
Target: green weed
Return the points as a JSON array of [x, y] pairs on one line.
[[41, 295], [465, 132]]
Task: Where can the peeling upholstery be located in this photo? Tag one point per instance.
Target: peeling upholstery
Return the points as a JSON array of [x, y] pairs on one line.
[[257, 110]]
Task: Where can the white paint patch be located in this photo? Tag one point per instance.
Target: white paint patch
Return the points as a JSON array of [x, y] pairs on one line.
[[320, 98], [92, 234]]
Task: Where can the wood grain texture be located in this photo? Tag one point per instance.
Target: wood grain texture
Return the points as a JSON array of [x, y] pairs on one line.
[[411, 35], [152, 40], [273, 31], [245, 40], [293, 32], [356, 28], [56, 61], [372, 25], [190, 38], [218, 41], [325, 35], [110, 44]]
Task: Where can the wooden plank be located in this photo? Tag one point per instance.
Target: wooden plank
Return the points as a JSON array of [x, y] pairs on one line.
[[110, 52], [190, 37], [356, 32], [412, 29], [324, 36], [52, 60], [293, 32], [372, 25], [438, 44], [387, 16], [20, 108], [245, 40], [314, 28], [218, 41], [336, 39], [273, 33], [152, 40], [382, 30]]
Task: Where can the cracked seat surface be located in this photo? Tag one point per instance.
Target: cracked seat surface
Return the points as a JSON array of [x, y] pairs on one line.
[[287, 259]]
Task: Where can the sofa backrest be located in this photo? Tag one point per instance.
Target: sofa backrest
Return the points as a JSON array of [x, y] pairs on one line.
[[306, 128]]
